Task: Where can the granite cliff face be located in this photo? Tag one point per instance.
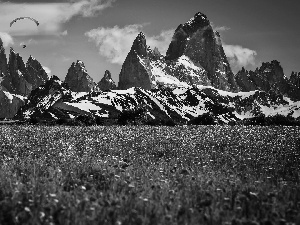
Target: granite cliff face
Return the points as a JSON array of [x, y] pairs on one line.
[[148, 69], [78, 79], [269, 78], [17, 80], [3, 61], [106, 83], [295, 79], [14, 80], [135, 69], [9, 104], [36, 75], [195, 57], [197, 40]]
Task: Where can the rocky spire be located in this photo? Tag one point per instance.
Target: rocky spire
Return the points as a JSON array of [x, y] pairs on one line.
[[36, 75], [106, 82], [3, 60], [133, 72], [197, 40], [139, 45], [78, 79], [15, 81]]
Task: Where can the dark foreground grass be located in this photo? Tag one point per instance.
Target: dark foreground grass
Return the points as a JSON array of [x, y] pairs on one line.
[[149, 175]]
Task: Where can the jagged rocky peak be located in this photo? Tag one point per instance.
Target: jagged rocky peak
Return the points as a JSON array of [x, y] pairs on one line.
[[139, 45], [196, 40], [134, 73], [199, 21], [295, 79], [78, 79], [269, 78], [106, 83], [15, 81], [3, 60], [36, 75]]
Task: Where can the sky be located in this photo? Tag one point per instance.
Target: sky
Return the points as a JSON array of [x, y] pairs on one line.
[[100, 32]]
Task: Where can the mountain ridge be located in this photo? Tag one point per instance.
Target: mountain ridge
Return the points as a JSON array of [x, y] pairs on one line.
[[195, 62]]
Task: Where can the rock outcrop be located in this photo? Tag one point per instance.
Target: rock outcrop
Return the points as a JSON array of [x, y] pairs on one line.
[[197, 40], [78, 79], [244, 82], [295, 79], [195, 57], [3, 60], [9, 104], [36, 75], [148, 69], [269, 78], [106, 83], [14, 81], [135, 69]]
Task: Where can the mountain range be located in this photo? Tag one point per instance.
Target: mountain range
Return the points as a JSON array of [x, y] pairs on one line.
[[193, 78]]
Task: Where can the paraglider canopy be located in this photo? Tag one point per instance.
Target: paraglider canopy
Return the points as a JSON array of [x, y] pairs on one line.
[[26, 17]]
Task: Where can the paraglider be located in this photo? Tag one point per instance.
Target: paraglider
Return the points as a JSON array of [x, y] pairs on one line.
[[26, 17]]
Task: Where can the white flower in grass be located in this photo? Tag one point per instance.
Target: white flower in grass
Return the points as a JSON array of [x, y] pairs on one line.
[[42, 215]]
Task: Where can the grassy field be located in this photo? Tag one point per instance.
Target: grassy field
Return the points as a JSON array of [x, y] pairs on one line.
[[149, 175]]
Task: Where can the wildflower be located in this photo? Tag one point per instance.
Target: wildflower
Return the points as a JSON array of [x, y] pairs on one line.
[[42, 215], [131, 185]]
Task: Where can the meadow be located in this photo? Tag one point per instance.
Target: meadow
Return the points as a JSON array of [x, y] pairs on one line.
[[149, 175]]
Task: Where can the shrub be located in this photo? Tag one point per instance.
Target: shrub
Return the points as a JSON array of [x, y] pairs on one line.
[[132, 116], [204, 119], [86, 120]]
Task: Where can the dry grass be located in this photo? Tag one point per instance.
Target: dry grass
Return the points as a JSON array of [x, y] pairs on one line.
[[149, 175]]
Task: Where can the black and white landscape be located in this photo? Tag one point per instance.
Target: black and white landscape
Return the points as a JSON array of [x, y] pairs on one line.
[[133, 112]]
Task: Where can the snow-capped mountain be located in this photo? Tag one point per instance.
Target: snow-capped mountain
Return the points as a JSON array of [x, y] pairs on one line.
[[193, 78], [269, 78], [195, 57], [54, 100]]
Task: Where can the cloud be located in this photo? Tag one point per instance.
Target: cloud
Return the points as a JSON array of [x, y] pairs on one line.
[[219, 28], [223, 28], [115, 43], [51, 16], [6, 39], [64, 33], [88, 8], [239, 56]]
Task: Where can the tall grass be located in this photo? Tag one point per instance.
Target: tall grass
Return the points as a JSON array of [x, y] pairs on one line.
[[149, 175]]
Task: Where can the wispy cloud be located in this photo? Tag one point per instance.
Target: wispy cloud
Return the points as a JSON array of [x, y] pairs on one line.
[[222, 28], [64, 33], [51, 16], [115, 43], [239, 56], [6, 39], [219, 28]]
